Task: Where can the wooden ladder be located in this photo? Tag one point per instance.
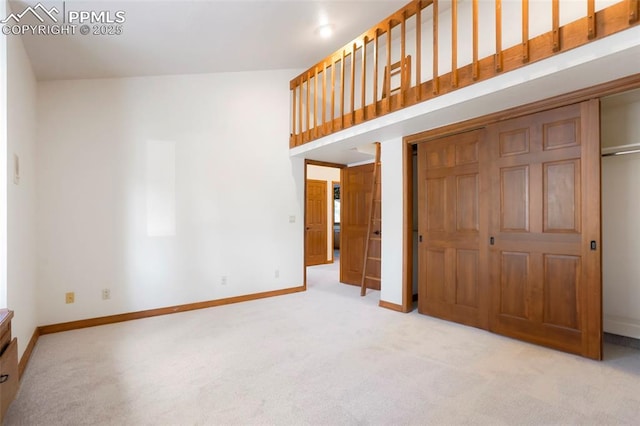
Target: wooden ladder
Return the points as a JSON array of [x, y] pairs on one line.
[[373, 244]]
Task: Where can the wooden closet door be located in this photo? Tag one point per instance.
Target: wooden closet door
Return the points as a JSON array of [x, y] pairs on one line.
[[545, 229], [452, 225]]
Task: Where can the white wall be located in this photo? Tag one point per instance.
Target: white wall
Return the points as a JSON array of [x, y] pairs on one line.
[[620, 219], [330, 175], [391, 156], [234, 189], [21, 198]]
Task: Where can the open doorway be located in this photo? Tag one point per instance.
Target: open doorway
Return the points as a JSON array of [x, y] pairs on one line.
[[322, 222], [620, 142]]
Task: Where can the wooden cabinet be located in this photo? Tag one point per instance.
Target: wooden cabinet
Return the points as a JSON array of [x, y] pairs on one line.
[[8, 363]]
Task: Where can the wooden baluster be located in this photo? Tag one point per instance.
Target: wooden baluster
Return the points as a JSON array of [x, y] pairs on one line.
[[475, 65], [591, 19], [308, 109], [403, 71], [315, 102], [419, 53], [498, 57], [555, 13], [436, 79], [342, 91], [300, 109], [333, 92], [633, 11], [454, 43], [353, 84], [525, 31], [363, 79], [293, 113], [387, 75], [324, 98], [375, 73]]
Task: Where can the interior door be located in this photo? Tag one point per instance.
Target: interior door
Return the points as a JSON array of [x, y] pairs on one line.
[[357, 185], [545, 229], [452, 228], [316, 223]]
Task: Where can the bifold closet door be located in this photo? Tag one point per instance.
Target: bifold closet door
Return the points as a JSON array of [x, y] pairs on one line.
[[452, 205], [545, 229]]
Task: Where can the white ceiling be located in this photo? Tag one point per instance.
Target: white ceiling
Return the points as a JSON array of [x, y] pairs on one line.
[[184, 37]]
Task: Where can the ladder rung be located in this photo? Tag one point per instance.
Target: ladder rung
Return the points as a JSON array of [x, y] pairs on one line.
[[373, 278], [375, 239], [374, 258]]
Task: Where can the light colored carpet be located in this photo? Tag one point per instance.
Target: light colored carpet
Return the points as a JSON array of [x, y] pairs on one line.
[[326, 357]]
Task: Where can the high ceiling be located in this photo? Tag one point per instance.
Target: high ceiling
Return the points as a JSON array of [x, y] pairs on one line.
[[183, 37]]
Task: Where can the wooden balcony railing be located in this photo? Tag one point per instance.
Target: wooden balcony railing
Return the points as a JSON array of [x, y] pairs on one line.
[[432, 47]]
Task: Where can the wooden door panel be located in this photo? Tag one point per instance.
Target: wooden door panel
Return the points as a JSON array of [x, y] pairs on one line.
[[560, 133], [466, 207], [316, 223], [561, 284], [514, 187], [514, 142], [467, 277], [561, 196], [433, 283], [453, 264], [515, 282], [542, 289], [436, 208]]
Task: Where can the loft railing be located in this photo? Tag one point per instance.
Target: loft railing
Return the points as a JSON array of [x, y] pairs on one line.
[[432, 47]]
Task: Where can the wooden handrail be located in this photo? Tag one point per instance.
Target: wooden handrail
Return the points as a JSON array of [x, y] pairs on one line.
[[329, 106]]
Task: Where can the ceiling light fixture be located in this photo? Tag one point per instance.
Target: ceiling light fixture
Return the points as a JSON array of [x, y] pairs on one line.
[[325, 30]]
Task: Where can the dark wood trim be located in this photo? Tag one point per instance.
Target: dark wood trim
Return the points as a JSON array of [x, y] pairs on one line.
[[333, 218], [605, 89], [324, 164], [341, 221], [112, 319], [407, 225], [26, 356], [304, 227], [392, 306]]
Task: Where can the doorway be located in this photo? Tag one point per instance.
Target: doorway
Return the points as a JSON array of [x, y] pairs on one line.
[[322, 222], [620, 138], [340, 205]]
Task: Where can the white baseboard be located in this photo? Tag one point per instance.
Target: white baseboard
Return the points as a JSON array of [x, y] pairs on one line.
[[622, 326]]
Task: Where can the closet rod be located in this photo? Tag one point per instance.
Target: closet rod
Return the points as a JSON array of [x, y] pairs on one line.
[[621, 150]]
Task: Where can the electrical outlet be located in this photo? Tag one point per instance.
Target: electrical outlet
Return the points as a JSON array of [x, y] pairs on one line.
[[223, 280], [70, 297], [277, 273], [106, 294]]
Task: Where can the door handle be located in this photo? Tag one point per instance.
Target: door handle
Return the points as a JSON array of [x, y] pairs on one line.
[[4, 378]]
